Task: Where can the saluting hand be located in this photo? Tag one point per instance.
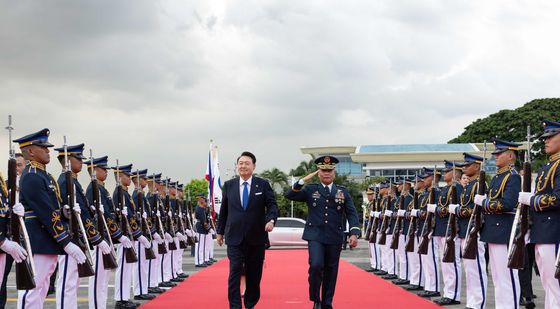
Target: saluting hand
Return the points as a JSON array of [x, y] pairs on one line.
[[353, 241], [308, 177]]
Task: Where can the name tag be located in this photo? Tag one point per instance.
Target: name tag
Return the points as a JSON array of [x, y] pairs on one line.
[[258, 193]]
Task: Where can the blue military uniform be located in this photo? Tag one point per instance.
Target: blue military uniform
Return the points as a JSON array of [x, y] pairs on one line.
[[324, 230], [128, 203], [3, 210]]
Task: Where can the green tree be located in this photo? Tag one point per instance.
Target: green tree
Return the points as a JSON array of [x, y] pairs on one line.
[[512, 125], [195, 187], [278, 179], [304, 168]]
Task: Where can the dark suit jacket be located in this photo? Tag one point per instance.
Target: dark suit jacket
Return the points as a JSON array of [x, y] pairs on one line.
[[238, 225]]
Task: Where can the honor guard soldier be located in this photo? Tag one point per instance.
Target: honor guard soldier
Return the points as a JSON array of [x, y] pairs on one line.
[[140, 274], [48, 231], [99, 283], [475, 270], [451, 272], [166, 265], [404, 268], [178, 234], [414, 260], [154, 265], [123, 276], [68, 280], [389, 255], [498, 207], [373, 248], [383, 191], [431, 178], [327, 203], [544, 211], [181, 206], [202, 230]]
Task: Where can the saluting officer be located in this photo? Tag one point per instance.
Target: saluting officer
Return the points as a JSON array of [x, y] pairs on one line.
[[48, 233], [475, 270], [99, 283], [544, 210], [68, 281], [451, 272], [498, 207], [327, 203]]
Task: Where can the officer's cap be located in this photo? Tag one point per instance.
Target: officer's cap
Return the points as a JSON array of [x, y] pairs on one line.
[[125, 169], [370, 190], [326, 162], [449, 166], [100, 162], [426, 172], [470, 159], [502, 146], [40, 138], [157, 177], [551, 128], [384, 185], [76, 151], [142, 173], [201, 195]]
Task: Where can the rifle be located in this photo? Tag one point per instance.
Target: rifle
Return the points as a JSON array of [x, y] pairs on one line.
[[192, 240], [516, 253], [180, 223], [25, 270], [170, 225], [367, 234], [470, 247], [129, 253], [77, 231], [384, 224], [162, 248], [375, 222], [409, 246], [451, 231], [398, 222], [428, 227], [109, 260], [144, 227]]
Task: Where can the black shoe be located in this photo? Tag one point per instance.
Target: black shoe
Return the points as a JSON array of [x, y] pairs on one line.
[[144, 297], [200, 265], [316, 305], [412, 287], [167, 284], [155, 290], [389, 277], [51, 290], [125, 305], [371, 270], [182, 275], [401, 282], [213, 260], [444, 301], [177, 280], [380, 273], [528, 303], [428, 294]]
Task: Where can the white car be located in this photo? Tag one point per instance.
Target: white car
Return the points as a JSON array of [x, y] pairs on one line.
[[287, 232]]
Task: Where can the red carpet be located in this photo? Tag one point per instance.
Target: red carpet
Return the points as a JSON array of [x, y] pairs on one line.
[[284, 285]]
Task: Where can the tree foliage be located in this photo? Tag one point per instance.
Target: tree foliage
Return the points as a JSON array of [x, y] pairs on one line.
[[278, 179], [512, 125], [195, 187]]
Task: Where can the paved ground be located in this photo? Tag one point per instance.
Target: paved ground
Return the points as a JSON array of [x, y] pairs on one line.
[[358, 257]]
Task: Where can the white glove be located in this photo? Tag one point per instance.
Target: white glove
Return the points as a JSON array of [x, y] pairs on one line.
[[372, 213], [388, 213], [125, 242], [179, 235], [77, 209], [75, 252], [18, 209], [454, 208], [158, 213], [478, 199], [144, 215], [432, 208], [378, 214], [104, 247], [212, 232], [157, 238], [144, 241], [414, 213], [169, 213], [124, 211], [168, 237], [189, 233], [101, 207], [401, 212], [14, 249], [525, 198]]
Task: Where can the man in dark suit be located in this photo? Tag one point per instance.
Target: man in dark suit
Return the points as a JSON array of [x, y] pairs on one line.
[[327, 203], [248, 212]]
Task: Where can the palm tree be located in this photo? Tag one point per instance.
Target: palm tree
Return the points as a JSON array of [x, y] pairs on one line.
[[304, 168], [276, 177]]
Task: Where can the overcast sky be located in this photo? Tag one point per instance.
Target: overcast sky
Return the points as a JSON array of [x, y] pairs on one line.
[[151, 82]]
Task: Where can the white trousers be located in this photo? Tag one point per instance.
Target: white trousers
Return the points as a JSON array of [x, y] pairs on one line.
[[415, 264], [375, 255], [123, 275], [545, 256], [200, 250], [178, 259], [67, 283], [98, 283], [506, 281], [403, 259], [476, 278], [389, 257], [451, 272], [153, 269], [430, 267], [2, 266], [210, 245], [44, 268], [165, 266], [140, 273]]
